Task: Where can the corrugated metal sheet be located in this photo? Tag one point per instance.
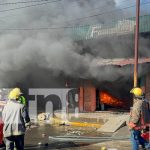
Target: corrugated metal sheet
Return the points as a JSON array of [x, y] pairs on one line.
[[119, 61], [119, 27], [144, 23]]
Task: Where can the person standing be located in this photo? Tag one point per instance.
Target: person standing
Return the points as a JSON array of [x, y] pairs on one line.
[[15, 118], [139, 118]]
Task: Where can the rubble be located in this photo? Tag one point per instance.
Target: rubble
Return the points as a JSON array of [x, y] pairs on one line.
[[114, 123], [43, 116]]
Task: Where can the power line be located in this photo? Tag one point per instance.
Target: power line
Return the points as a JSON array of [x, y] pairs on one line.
[[103, 13], [105, 7], [55, 1], [65, 27], [14, 3], [41, 28], [32, 1], [46, 3], [38, 4], [51, 2], [92, 10], [95, 8]]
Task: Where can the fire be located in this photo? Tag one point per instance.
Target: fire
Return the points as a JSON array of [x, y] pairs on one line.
[[108, 99]]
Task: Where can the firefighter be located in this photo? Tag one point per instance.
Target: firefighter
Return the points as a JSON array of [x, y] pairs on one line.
[[139, 118], [16, 119]]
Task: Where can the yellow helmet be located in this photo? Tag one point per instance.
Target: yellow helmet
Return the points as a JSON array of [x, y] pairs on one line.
[[137, 92], [14, 93], [103, 148]]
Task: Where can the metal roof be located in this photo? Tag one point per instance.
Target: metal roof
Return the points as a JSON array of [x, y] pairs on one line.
[[120, 61], [119, 27]]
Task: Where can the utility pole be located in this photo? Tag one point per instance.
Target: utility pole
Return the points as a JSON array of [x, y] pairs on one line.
[[136, 48]]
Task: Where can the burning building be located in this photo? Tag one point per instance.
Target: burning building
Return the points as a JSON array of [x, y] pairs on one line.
[[112, 94], [33, 56]]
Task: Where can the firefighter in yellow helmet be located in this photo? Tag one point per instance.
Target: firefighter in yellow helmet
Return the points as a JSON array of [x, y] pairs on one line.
[[139, 118], [137, 92], [16, 94], [15, 117]]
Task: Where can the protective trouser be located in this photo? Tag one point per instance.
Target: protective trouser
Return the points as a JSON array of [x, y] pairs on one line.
[[137, 140], [17, 141]]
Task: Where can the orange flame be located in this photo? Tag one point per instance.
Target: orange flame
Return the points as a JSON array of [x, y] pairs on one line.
[[108, 99]]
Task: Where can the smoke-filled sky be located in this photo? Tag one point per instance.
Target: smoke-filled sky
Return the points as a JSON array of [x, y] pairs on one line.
[[40, 56], [144, 7]]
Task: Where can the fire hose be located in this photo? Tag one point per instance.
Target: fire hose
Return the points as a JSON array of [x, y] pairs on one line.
[[87, 139], [74, 141]]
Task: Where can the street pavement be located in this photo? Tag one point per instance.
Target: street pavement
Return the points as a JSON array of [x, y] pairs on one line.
[[37, 138]]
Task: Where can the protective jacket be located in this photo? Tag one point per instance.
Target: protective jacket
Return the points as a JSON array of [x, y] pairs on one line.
[[14, 116], [140, 114]]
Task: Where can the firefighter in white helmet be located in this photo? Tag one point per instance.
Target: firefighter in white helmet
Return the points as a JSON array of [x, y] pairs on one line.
[[15, 118], [139, 118]]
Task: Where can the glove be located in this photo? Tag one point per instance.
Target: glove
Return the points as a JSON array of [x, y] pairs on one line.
[[28, 125], [131, 125]]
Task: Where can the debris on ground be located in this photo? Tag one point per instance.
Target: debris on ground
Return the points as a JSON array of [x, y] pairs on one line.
[[115, 122], [43, 116]]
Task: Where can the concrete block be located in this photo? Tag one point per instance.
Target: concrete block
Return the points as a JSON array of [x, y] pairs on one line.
[[113, 124]]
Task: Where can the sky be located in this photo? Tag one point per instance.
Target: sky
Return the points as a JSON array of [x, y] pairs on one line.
[[144, 7], [9, 17]]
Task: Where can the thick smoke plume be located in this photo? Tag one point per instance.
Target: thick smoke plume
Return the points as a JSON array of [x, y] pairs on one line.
[[43, 58]]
